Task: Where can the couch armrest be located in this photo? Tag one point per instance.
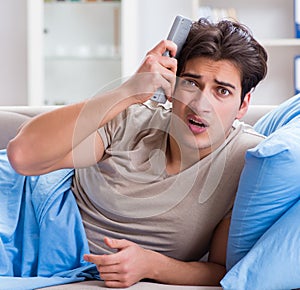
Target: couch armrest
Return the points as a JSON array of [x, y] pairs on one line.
[[255, 112], [12, 117]]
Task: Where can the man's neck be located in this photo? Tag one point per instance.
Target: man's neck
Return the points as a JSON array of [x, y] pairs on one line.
[[179, 158]]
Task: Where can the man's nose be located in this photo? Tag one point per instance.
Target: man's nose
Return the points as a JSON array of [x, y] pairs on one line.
[[201, 101]]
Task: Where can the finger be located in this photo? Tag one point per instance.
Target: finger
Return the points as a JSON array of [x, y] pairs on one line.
[[169, 84], [116, 278], [116, 243], [117, 284], [108, 274], [158, 64], [164, 66], [168, 63], [163, 46], [109, 269], [101, 259]]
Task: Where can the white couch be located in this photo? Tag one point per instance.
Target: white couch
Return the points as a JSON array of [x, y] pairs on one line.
[[10, 120], [11, 117]]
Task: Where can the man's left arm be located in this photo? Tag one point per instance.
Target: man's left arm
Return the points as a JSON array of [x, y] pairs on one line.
[[132, 263]]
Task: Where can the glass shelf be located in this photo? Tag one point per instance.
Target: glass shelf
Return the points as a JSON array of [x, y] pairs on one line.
[[97, 2], [281, 42], [81, 57]]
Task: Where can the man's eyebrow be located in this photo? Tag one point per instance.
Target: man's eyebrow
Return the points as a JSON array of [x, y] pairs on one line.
[[225, 84], [197, 76], [191, 75]]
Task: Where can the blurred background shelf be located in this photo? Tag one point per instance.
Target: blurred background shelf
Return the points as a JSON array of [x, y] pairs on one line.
[[66, 51], [272, 23], [82, 45]]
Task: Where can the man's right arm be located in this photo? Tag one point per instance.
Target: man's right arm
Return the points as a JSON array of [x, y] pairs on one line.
[[68, 136]]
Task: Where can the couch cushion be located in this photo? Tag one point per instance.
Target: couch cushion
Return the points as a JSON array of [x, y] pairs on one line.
[[11, 117], [98, 285], [9, 125], [269, 183], [279, 116], [273, 262], [269, 187]]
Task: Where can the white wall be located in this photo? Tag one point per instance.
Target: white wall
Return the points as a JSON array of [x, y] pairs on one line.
[[145, 23], [13, 52], [21, 70], [81, 50]]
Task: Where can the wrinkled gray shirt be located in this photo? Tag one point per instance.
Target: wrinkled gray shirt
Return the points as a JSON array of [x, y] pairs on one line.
[[129, 195]]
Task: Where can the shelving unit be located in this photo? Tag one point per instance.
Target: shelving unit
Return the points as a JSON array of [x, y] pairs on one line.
[[141, 26], [272, 23], [82, 65], [82, 49]]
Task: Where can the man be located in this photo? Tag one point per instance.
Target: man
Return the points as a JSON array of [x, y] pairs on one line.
[[155, 186]]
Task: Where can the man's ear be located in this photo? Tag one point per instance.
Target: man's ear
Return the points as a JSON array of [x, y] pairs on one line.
[[244, 106]]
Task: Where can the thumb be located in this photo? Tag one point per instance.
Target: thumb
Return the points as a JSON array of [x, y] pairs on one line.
[[116, 243]]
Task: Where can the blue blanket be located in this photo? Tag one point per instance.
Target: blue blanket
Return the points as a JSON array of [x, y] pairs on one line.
[[42, 239]]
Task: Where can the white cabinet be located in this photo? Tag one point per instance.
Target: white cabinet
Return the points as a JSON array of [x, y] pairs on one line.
[[82, 49], [91, 45], [73, 42], [272, 23]]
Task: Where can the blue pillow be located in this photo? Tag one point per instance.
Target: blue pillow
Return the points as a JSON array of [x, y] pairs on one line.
[[273, 262], [279, 117], [269, 186]]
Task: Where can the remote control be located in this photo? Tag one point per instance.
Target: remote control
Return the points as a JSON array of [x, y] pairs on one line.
[[178, 34]]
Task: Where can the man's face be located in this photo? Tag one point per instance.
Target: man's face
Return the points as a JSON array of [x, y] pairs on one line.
[[206, 102]]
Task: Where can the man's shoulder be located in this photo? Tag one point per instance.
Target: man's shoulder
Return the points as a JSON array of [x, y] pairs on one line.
[[148, 114], [151, 107], [247, 136]]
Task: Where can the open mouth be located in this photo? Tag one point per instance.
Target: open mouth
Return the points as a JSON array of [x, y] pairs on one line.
[[197, 123], [194, 120]]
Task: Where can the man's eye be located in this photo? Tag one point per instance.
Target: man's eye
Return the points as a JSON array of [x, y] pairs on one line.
[[223, 91], [188, 83]]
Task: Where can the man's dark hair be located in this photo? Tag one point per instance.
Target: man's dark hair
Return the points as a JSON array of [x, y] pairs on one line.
[[226, 40]]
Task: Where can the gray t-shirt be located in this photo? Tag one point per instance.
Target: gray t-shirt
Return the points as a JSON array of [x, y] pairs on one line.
[[129, 195]]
